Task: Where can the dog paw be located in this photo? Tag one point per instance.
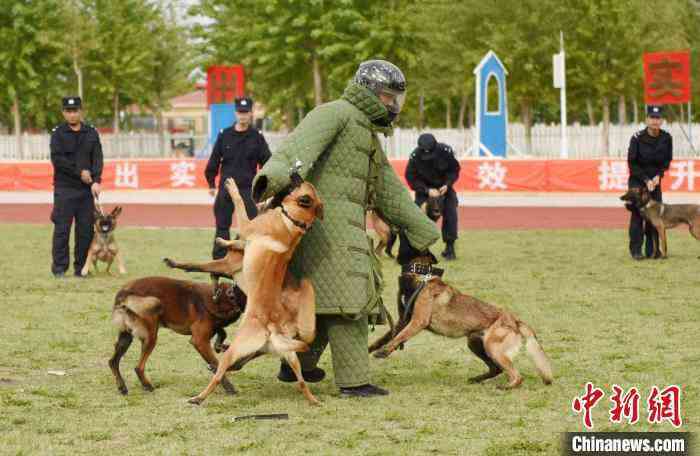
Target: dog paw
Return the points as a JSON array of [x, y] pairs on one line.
[[220, 348], [381, 354], [123, 390], [229, 388], [148, 387], [168, 262], [195, 400]]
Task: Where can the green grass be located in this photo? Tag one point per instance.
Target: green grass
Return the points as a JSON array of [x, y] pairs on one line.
[[600, 316]]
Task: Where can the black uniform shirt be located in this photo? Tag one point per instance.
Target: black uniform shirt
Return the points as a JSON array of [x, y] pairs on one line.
[[649, 156], [433, 169], [74, 151], [238, 154]]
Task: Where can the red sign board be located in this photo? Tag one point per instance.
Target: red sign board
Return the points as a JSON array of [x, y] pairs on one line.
[[224, 83], [667, 77]]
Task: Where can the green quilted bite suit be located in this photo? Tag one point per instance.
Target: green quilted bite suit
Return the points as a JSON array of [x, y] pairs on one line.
[[341, 156]]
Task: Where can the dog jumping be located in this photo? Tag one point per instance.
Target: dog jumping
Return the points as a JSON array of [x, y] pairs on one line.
[[104, 246], [493, 334], [664, 216], [273, 322], [142, 306]]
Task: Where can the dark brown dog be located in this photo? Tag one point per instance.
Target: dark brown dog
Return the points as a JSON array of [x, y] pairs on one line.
[[664, 216], [144, 305], [104, 246], [494, 335]]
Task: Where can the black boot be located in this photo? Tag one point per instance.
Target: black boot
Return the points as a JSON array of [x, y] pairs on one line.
[[449, 252], [286, 374], [367, 390]]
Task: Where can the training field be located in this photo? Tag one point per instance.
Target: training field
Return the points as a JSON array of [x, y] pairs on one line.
[[600, 316]]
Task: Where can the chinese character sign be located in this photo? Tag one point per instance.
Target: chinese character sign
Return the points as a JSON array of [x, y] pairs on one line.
[[662, 405], [667, 77]]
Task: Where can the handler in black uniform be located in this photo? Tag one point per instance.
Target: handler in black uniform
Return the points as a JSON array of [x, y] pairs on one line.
[[238, 151], [649, 156], [432, 170], [76, 156]]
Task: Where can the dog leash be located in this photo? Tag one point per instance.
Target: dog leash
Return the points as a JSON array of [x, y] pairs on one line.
[[98, 206]]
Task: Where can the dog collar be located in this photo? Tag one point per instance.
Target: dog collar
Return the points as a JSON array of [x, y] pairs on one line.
[[422, 269], [301, 225]]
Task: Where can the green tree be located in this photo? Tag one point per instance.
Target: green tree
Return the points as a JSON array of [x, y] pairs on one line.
[[165, 74], [27, 54], [123, 49]]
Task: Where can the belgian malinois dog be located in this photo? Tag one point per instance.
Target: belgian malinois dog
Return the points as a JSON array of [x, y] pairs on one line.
[[104, 246], [664, 216], [493, 334], [142, 306], [280, 311], [386, 238], [432, 207]]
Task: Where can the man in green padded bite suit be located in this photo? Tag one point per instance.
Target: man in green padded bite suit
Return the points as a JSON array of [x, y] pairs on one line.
[[337, 148]]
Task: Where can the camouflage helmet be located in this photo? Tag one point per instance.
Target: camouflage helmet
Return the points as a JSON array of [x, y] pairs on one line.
[[381, 76]]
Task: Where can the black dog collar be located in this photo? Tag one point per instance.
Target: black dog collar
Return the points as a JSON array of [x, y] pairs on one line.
[[296, 223], [422, 269]]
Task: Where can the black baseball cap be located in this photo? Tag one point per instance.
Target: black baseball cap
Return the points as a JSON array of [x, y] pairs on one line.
[[244, 104], [655, 111], [72, 103]]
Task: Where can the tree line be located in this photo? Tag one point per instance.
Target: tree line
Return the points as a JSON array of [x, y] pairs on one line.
[[299, 53]]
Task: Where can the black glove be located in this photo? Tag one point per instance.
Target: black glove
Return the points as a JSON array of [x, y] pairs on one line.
[[407, 252]]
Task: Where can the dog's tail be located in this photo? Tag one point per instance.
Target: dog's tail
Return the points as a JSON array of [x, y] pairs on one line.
[[127, 306], [534, 349], [283, 344]]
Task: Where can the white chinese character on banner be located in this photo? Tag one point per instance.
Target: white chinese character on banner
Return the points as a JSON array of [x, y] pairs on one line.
[[683, 171], [127, 175], [180, 174], [613, 175], [492, 176]]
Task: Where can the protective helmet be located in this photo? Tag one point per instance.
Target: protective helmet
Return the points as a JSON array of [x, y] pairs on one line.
[[382, 77]]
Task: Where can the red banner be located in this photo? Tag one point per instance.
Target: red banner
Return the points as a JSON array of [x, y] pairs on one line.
[[224, 83], [667, 77], [476, 175]]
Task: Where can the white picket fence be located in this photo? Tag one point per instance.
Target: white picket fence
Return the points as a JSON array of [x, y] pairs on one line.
[[584, 142]]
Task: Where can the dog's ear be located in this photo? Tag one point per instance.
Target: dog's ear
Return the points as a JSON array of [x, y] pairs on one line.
[[116, 211], [98, 214], [278, 198], [296, 179]]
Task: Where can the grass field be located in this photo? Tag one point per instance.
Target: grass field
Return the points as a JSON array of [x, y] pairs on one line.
[[600, 316]]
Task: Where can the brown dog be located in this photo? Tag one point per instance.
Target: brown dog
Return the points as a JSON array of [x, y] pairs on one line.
[[273, 320], [104, 246], [433, 207], [385, 238], [664, 216], [494, 335], [143, 305]]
